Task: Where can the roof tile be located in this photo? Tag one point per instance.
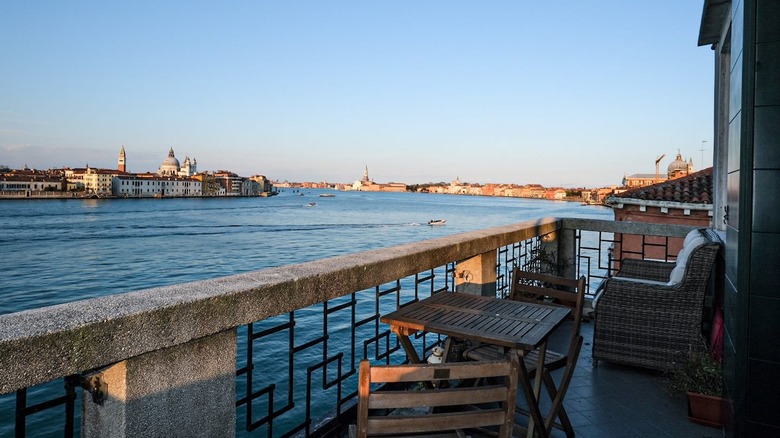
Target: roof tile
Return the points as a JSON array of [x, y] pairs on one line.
[[695, 188]]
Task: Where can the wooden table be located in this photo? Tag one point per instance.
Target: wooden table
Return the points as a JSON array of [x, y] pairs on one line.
[[518, 326]]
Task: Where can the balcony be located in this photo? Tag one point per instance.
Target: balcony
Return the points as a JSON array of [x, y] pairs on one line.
[[274, 352]]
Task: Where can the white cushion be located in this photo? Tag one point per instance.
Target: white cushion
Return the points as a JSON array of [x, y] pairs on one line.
[[682, 257], [677, 275], [692, 235], [687, 249]]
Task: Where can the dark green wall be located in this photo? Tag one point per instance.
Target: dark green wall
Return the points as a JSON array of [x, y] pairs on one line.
[[752, 284]]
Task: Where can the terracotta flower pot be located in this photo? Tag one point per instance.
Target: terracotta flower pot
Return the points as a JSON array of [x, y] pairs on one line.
[[706, 409]]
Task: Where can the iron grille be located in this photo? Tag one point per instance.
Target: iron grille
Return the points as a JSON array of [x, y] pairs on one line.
[[314, 376]]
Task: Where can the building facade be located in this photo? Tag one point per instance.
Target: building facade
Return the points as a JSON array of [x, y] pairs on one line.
[[153, 186], [230, 182], [265, 184], [29, 184], [98, 181], [171, 166], [745, 40]]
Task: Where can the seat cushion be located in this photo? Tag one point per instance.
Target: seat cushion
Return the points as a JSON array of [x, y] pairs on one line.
[[677, 275], [692, 235], [685, 252]]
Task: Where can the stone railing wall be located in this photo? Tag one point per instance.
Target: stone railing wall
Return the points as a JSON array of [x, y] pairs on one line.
[[163, 360]]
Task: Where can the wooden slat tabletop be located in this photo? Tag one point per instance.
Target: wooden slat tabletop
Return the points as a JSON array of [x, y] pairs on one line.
[[511, 324]]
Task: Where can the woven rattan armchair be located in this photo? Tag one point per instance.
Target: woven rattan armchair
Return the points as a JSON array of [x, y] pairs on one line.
[[646, 319]]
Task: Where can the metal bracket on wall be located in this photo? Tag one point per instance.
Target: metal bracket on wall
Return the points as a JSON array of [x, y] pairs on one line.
[[96, 386]]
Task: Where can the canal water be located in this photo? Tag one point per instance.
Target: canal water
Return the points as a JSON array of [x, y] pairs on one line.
[[57, 251]]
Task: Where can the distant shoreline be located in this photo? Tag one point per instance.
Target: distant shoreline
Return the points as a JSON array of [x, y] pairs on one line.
[[112, 197], [70, 196]]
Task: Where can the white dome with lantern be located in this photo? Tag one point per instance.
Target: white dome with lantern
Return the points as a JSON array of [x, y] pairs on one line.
[[679, 167], [170, 165]]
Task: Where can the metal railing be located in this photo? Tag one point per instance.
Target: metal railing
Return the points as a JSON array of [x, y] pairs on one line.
[[296, 364]]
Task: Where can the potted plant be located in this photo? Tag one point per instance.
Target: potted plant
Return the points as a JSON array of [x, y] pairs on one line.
[[701, 378]]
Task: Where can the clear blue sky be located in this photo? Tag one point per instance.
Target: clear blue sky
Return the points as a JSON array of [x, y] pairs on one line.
[[563, 93]]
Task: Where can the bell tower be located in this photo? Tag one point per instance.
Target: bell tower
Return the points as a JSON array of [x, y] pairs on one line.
[[122, 160]]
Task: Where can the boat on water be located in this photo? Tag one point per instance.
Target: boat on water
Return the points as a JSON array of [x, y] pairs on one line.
[[327, 195], [437, 221], [311, 204]]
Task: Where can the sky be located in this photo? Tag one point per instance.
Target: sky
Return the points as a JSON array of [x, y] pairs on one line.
[[560, 93]]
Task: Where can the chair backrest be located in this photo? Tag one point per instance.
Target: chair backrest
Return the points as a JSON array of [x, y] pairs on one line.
[[455, 405], [696, 256], [568, 292], [560, 291]]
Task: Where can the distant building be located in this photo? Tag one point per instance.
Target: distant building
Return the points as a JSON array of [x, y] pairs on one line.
[[122, 165], [367, 185], [29, 183], [555, 194], [250, 188], [230, 182], [149, 185], [681, 201], [676, 169], [679, 167], [75, 178], [602, 194], [363, 184], [171, 167], [209, 185], [98, 181], [264, 183], [189, 168]]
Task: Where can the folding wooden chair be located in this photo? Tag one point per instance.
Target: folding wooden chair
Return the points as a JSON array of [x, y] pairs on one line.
[[532, 287], [453, 409]]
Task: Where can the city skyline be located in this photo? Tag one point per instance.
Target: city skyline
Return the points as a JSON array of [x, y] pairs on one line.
[[566, 94]]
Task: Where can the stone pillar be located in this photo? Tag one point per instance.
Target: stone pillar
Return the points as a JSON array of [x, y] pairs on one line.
[[559, 251], [186, 390], [477, 275], [567, 253]]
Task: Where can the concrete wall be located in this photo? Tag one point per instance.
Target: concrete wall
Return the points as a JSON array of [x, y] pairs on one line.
[[189, 389]]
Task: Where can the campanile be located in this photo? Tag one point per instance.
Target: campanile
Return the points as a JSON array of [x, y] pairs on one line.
[[122, 160]]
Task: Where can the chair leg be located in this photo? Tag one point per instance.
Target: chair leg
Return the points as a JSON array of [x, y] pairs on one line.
[[535, 420], [565, 424], [557, 400]]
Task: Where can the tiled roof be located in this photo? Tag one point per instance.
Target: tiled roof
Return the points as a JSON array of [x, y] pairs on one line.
[[695, 188], [644, 175]]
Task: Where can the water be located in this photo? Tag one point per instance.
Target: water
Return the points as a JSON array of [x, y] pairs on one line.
[[57, 251]]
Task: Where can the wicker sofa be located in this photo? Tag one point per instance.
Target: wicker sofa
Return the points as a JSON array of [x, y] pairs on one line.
[[650, 313]]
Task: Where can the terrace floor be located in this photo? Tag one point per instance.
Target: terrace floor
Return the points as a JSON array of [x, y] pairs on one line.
[[613, 400]]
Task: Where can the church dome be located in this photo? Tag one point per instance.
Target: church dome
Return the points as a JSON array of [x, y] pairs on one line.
[[678, 165], [170, 160], [170, 165]]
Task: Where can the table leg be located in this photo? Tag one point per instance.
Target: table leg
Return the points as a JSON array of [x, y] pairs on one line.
[[403, 338]]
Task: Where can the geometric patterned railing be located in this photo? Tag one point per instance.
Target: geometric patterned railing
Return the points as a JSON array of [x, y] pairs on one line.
[[296, 373]]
